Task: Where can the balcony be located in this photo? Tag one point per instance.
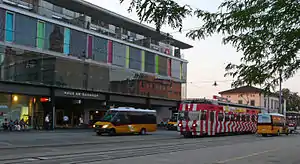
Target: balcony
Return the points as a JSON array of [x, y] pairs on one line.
[[52, 11], [24, 4]]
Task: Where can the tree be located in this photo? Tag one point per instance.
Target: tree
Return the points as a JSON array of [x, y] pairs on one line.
[[266, 31], [292, 99]]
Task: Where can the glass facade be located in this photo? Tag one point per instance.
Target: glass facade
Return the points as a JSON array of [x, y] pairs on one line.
[[27, 66], [31, 67]]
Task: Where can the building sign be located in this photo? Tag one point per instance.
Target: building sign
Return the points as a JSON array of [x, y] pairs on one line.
[[79, 94]]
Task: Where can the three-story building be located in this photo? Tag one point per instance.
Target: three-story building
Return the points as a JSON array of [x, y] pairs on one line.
[[72, 58]]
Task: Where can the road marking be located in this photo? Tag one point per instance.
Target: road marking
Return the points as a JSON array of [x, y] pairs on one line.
[[246, 156]]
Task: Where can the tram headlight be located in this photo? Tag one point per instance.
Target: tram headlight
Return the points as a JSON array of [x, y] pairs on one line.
[[94, 126], [194, 125], [180, 125]]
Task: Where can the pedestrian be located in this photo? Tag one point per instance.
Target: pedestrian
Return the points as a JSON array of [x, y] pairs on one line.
[[47, 122]]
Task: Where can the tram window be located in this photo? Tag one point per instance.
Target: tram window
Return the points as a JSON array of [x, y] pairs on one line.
[[248, 118], [203, 115], [220, 117], [238, 117], [243, 118], [232, 117], [212, 116], [227, 117], [253, 118]]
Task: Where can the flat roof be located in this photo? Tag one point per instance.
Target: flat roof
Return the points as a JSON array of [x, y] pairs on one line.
[[117, 20], [129, 109], [272, 114]]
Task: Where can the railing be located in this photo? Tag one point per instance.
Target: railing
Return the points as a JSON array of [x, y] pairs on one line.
[[83, 23]]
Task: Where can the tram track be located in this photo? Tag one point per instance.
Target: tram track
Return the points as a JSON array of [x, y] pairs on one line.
[[148, 148]]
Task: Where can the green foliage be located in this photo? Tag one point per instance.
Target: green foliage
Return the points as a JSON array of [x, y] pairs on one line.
[[266, 31], [160, 12], [292, 99]]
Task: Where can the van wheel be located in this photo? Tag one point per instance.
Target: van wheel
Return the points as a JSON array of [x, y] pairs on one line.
[[143, 131], [112, 132]]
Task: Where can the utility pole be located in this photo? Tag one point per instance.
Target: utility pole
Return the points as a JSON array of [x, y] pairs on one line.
[[280, 93]]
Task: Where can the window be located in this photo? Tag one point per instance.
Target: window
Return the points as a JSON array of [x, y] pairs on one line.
[[243, 118], [262, 118], [238, 117], [26, 30], [193, 115], [240, 102], [227, 117], [100, 49], [78, 43], [135, 58], [220, 116], [67, 37], [163, 65], [9, 29], [212, 116], [232, 117], [40, 41], [272, 104], [175, 68], [248, 118], [119, 54], [57, 38], [252, 102], [203, 115], [184, 71]]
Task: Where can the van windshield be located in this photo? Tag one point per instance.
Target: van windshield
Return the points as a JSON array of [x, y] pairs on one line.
[[108, 117], [264, 118]]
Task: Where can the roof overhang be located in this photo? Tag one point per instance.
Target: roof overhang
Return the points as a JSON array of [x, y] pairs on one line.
[[110, 17]]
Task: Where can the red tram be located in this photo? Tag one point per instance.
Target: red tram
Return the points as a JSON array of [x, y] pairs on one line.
[[199, 117]]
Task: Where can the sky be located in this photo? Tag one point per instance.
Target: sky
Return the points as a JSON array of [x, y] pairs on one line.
[[207, 59]]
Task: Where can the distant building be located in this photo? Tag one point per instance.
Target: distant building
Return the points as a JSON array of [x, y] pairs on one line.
[[253, 96]]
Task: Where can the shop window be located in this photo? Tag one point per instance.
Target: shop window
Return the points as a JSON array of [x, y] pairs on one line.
[[240, 102]]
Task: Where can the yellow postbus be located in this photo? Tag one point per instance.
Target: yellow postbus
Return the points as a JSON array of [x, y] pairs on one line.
[[125, 120], [172, 123], [271, 124]]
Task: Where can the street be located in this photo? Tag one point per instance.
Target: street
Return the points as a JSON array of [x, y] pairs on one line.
[[162, 147]]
